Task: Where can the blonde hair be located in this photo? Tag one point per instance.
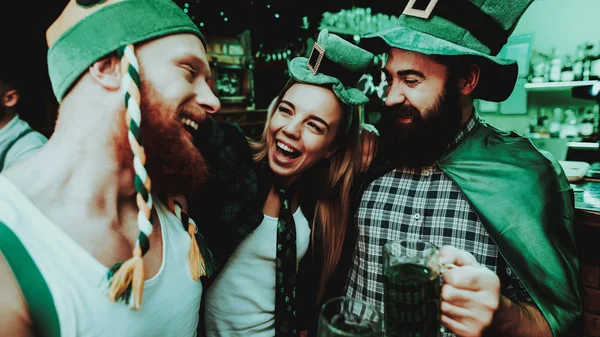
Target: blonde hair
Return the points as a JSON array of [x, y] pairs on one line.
[[332, 208]]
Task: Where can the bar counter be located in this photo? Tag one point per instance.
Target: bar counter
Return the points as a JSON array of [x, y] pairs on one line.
[[587, 196], [587, 232]]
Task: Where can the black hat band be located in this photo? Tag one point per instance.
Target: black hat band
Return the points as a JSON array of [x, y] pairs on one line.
[[466, 15]]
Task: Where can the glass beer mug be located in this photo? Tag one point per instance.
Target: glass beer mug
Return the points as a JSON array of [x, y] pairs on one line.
[[412, 288], [350, 317]]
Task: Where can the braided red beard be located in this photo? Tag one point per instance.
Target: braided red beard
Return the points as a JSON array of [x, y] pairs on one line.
[[174, 164]]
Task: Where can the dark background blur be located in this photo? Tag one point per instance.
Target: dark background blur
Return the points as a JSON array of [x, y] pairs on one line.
[[23, 47]]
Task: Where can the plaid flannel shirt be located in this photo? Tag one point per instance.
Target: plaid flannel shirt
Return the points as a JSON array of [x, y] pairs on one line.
[[420, 204]]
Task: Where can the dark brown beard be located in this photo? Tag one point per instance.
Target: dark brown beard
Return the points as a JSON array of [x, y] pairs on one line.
[[425, 139], [174, 164]]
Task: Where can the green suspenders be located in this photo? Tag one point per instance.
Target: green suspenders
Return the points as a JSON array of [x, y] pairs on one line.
[[32, 283], [4, 152]]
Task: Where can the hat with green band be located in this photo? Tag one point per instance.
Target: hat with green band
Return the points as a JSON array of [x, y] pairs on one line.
[[478, 28], [337, 64], [85, 32]]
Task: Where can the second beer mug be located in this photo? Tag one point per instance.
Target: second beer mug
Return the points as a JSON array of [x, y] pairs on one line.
[[412, 289], [349, 317]]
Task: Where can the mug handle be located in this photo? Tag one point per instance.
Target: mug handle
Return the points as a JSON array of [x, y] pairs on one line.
[[444, 267]]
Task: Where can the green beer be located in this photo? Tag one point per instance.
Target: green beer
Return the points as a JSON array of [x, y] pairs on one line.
[[412, 301]]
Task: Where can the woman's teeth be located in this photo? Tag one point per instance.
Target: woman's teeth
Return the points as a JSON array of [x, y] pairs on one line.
[[190, 123], [285, 147], [287, 151]]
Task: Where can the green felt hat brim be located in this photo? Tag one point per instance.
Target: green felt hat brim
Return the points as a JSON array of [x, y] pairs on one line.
[[112, 27], [497, 78], [300, 72]]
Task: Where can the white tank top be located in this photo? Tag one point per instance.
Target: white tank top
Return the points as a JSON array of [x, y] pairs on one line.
[[241, 302], [171, 300]]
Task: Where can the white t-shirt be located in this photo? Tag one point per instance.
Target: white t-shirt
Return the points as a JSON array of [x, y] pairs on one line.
[[241, 302], [24, 146]]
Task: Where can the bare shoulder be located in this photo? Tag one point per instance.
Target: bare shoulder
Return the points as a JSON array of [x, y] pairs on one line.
[[14, 315]]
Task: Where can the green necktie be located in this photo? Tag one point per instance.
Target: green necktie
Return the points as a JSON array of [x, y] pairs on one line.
[[285, 270]]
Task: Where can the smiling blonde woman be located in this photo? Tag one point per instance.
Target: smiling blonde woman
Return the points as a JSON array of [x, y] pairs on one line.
[[280, 205]]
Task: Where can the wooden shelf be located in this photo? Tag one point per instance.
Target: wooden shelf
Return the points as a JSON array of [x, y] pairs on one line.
[[556, 86], [233, 99], [553, 94]]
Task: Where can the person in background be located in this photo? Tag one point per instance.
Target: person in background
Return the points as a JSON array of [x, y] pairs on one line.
[[279, 206], [501, 211], [17, 139], [93, 240]]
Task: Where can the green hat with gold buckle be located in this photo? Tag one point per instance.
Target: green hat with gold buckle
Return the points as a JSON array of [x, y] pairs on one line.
[[334, 62], [477, 28]]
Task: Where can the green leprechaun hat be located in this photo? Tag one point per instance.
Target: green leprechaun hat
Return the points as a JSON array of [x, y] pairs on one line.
[[86, 31], [334, 62], [478, 28]]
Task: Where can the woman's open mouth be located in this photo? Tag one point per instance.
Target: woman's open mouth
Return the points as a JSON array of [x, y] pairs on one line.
[[284, 153]]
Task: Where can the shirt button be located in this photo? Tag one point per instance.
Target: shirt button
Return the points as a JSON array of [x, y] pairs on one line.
[[416, 216]]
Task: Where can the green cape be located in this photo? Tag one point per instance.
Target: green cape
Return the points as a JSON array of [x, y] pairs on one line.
[[525, 202]]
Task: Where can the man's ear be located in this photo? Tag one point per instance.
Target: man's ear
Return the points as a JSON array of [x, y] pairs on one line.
[[469, 81], [107, 72], [10, 98]]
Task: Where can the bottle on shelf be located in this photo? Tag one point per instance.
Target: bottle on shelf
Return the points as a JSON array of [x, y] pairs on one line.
[[539, 72], [538, 126], [567, 74], [543, 123], [587, 61], [595, 65], [532, 131], [556, 122], [596, 117], [555, 66], [586, 127], [578, 63], [569, 127]]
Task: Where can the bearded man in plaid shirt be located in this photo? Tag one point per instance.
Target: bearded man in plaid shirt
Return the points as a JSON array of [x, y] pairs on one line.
[[501, 210]]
